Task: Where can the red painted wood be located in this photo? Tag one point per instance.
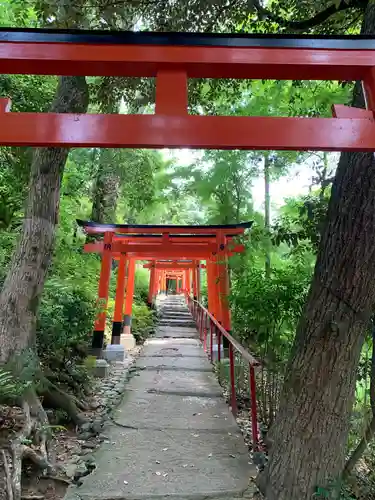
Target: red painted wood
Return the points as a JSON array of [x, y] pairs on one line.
[[198, 62], [200, 132]]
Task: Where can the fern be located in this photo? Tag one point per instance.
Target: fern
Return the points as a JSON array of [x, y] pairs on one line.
[[10, 387]]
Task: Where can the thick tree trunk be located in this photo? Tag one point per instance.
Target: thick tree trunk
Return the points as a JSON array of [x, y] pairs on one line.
[[309, 436], [20, 297], [107, 182], [106, 189]]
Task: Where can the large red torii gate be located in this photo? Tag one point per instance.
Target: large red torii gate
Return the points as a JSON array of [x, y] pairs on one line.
[[177, 250], [173, 58]]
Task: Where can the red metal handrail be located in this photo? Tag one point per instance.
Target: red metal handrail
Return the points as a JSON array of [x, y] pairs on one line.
[[202, 316]]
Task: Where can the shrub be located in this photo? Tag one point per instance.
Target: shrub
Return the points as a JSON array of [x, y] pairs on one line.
[[143, 322]]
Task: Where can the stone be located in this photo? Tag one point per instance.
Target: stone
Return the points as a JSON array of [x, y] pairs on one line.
[[127, 340], [89, 445], [114, 352], [84, 435], [70, 470], [97, 426], [101, 369], [81, 471], [85, 427]]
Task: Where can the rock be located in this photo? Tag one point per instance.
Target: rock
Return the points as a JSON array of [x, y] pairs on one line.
[[70, 470], [97, 426], [90, 445], [85, 452], [84, 435], [89, 459], [86, 427], [81, 471]]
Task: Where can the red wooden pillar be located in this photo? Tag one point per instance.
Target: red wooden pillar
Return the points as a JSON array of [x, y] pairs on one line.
[[183, 280], [210, 287], [129, 297], [188, 281], [163, 284], [216, 290], [119, 301], [177, 285], [198, 271], [194, 273], [151, 284], [104, 279], [223, 286], [156, 284]]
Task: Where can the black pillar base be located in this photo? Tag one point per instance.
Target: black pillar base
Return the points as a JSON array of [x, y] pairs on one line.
[[116, 332], [97, 343]]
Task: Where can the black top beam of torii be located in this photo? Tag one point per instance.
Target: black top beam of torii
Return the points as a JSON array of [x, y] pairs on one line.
[[158, 229], [98, 37]]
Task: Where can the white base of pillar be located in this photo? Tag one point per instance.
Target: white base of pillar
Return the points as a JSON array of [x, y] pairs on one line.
[[127, 339]]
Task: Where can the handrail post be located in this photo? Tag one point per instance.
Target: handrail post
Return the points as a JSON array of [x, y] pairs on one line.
[[205, 332], [211, 342], [218, 336], [232, 380], [254, 416]]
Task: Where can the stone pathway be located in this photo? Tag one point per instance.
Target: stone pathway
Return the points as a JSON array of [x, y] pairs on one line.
[[173, 436]]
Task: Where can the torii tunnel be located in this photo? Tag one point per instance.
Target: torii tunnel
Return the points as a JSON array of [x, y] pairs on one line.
[[172, 253]]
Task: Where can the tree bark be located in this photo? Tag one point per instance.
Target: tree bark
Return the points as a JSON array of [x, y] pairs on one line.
[[107, 182], [106, 189], [267, 212], [20, 297], [309, 436]]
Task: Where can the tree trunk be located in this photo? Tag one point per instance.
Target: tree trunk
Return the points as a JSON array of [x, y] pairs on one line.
[[309, 436], [107, 182], [106, 189], [267, 212], [20, 297]]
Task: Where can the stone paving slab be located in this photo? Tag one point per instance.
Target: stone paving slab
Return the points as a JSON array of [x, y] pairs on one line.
[[188, 363], [183, 382], [177, 332], [203, 467], [168, 411]]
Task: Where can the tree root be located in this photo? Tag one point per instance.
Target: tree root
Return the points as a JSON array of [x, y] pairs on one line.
[[29, 444], [54, 397]]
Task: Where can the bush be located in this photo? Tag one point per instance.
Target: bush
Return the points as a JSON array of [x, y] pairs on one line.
[[142, 322], [66, 317]]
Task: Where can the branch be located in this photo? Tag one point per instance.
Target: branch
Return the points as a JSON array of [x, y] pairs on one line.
[[313, 21]]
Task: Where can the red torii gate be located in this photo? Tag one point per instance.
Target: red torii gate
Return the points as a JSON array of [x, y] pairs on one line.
[[185, 268], [128, 243], [173, 58]]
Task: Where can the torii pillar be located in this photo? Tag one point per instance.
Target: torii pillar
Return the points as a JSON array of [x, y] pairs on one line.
[[127, 338], [119, 302], [151, 285], [104, 279]]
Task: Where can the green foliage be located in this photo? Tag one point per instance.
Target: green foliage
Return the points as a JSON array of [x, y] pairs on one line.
[[266, 309], [66, 316], [301, 220], [10, 387], [142, 322]]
